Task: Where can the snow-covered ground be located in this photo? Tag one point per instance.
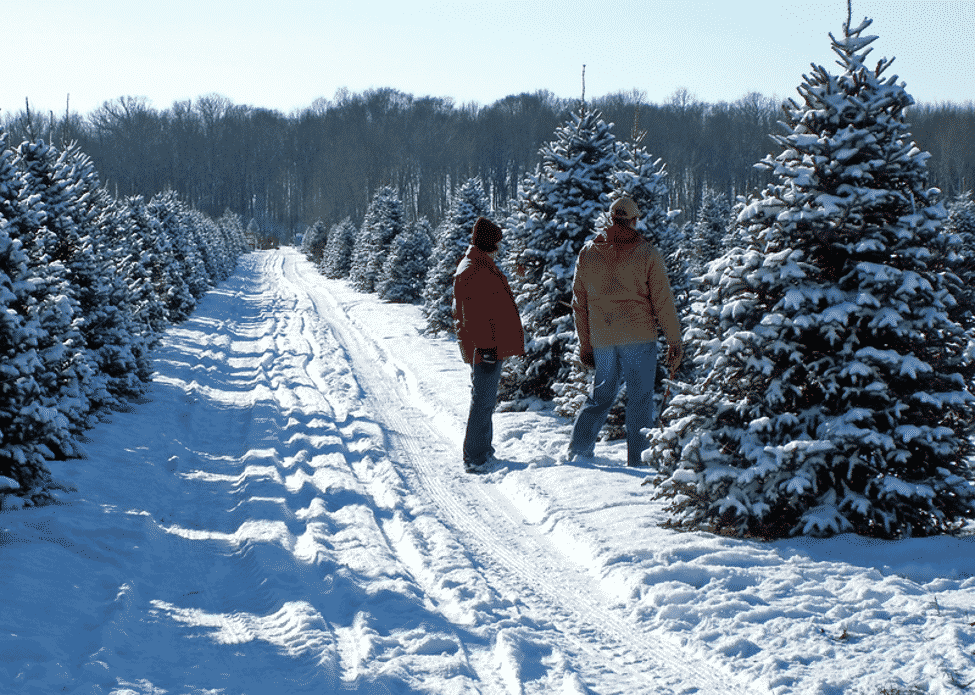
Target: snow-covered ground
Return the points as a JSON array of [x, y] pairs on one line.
[[286, 513]]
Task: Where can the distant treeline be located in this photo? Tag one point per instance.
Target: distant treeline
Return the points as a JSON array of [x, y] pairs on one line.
[[325, 162]]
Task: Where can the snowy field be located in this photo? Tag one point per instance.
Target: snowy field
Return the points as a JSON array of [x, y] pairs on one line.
[[286, 512]]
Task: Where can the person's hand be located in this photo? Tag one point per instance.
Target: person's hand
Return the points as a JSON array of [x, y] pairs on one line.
[[673, 359], [587, 358], [489, 355]]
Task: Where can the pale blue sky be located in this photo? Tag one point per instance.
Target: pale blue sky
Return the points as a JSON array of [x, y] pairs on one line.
[[283, 54]]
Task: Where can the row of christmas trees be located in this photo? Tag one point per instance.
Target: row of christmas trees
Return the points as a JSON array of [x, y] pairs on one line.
[[87, 285], [829, 318]]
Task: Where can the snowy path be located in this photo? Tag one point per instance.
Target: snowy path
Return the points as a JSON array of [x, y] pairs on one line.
[[286, 513]]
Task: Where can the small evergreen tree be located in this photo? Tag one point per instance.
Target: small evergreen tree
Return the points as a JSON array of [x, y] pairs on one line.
[[402, 278], [453, 237], [956, 257], [337, 256], [833, 398], [314, 241], [384, 220], [176, 256], [711, 225]]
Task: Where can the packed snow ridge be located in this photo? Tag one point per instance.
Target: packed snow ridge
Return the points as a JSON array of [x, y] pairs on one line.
[[286, 512]]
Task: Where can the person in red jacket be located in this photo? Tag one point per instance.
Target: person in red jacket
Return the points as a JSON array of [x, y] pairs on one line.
[[489, 329]]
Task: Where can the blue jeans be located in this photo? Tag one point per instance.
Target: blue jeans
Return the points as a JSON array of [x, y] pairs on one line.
[[636, 365], [478, 435]]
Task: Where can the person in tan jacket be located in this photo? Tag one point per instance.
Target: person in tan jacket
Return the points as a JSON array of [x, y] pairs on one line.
[[489, 330], [621, 298]]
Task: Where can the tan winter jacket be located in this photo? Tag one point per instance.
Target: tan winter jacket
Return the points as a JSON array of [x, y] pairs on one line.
[[621, 293], [484, 309]]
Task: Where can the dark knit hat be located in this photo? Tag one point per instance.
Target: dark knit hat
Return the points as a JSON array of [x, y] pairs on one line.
[[486, 235]]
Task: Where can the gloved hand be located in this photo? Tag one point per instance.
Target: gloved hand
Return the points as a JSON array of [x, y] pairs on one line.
[[489, 355], [587, 358], [673, 359]]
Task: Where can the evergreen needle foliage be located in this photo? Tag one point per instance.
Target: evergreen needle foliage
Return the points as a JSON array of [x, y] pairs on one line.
[[87, 283], [452, 239], [833, 395]]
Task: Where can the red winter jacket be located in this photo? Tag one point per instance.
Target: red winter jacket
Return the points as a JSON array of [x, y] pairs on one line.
[[484, 309]]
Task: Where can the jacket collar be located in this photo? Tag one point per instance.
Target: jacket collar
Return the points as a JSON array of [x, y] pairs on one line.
[[479, 256]]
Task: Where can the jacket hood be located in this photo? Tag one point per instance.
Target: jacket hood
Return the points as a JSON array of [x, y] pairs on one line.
[[619, 236], [616, 239]]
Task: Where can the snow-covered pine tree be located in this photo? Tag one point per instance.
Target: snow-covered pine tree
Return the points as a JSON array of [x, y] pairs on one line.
[[110, 334], [137, 297], [314, 241], [177, 259], [402, 277], [643, 178], [383, 221], [234, 240], [711, 225], [60, 253], [453, 237], [556, 211], [336, 257], [832, 398], [137, 233], [27, 422], [956, 258], [206, 235], [23, 420]]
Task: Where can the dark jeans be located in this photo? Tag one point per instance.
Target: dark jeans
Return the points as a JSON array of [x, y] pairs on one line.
[[478, 435], [635, 365]]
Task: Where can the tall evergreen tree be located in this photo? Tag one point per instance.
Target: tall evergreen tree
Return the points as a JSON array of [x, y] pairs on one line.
[[557, 210], [60, 253], [453, 237], [24, 422], [833, 398], [27, 420], [643, 178]]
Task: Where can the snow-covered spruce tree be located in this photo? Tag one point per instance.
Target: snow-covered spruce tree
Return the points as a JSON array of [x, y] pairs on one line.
[[337, 255], [111, 336], [234, 241], [23, 420], [402, 277], [314, 241], [383, 221], [28, 422], [178, 258], [556, 211], [60, 254], [832, 398], [643, 178], [711, 225], [453, 237], [956, 258], [138, 232]]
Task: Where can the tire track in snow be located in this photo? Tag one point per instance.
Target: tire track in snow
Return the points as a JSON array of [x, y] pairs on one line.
[[278, 574], [612, 652]]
